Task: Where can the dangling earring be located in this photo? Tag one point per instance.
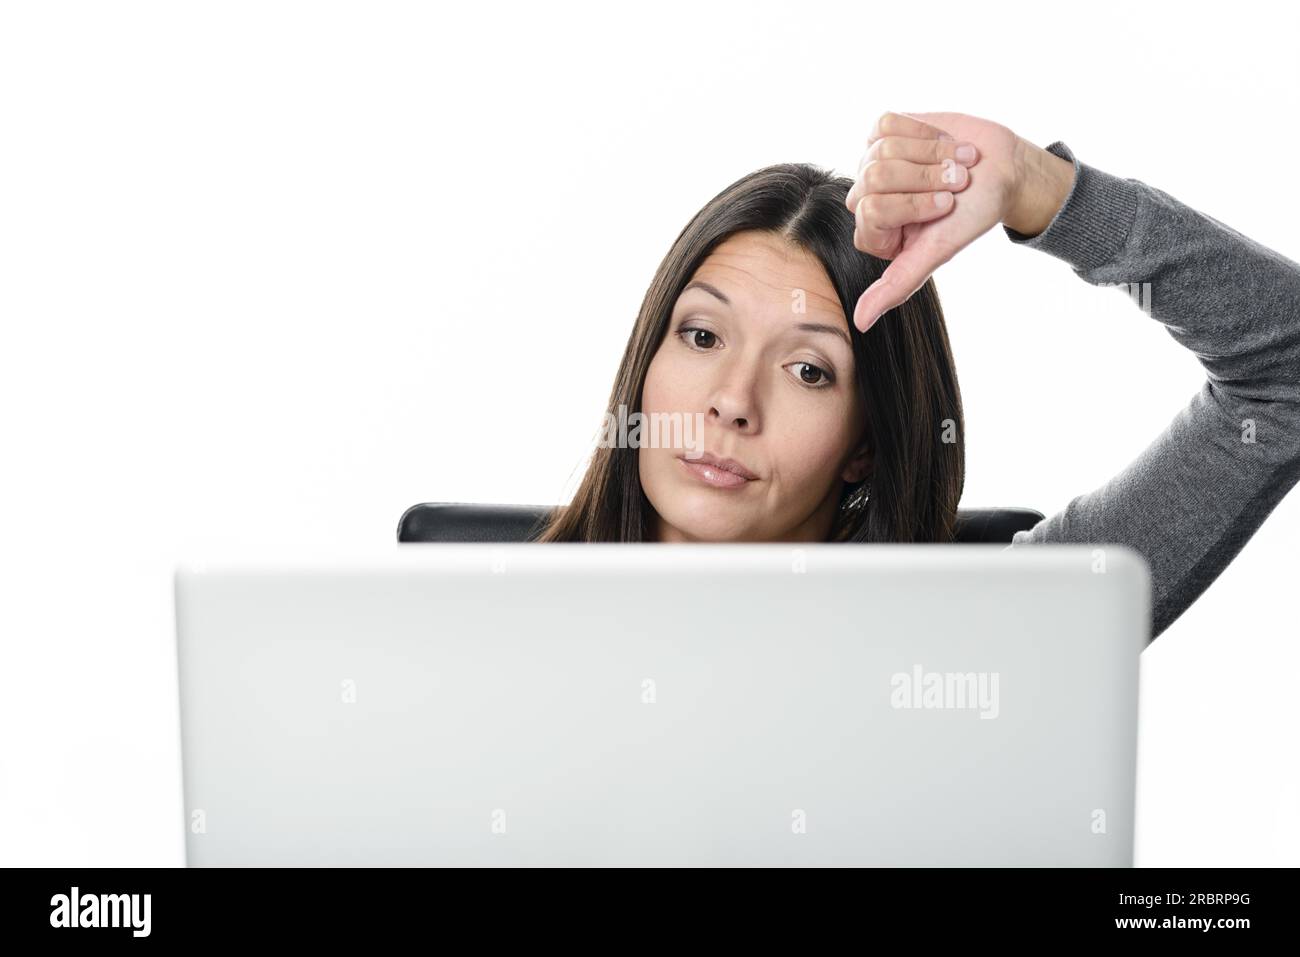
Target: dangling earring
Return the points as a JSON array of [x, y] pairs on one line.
[[859, 497]]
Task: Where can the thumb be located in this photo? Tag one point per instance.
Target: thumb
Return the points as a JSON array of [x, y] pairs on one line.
[[904, 276]]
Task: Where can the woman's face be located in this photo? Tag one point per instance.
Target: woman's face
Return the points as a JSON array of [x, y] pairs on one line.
[[757, 343]]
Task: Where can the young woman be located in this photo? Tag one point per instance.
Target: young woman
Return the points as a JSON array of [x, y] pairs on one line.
[[823, 424]]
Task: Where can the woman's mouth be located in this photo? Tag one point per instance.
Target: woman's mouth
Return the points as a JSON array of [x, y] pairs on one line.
[[712, 475]]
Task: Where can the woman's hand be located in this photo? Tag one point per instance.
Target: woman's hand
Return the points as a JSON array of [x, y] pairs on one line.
[[914, 158]]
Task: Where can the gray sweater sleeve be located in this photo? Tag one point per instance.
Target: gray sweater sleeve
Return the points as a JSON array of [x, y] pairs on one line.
[[1196, 495]]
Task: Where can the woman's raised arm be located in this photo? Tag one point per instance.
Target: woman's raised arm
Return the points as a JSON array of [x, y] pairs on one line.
[[1201, 489]]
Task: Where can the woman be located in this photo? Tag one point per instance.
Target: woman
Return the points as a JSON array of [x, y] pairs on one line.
[[818, 428]]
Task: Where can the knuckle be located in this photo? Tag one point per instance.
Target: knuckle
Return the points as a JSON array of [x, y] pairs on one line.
[[871, 176], [874, 211], [894, 125]]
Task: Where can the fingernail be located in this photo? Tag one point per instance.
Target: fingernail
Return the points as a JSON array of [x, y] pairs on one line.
[[943, 200], [860, 314], [965, 152]]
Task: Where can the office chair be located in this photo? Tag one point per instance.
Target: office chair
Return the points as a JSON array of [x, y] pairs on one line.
[[468, 522]]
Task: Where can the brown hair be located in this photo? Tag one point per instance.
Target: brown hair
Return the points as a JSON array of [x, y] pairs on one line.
[[905, 374]]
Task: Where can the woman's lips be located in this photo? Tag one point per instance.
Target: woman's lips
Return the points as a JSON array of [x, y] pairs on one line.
[[713, 476]]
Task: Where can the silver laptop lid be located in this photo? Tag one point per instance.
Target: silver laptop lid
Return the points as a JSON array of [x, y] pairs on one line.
[[662, 704]]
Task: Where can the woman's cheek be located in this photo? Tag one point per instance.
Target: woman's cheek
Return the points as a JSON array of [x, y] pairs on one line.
[[656, 392], [657, 395], [807, 457]]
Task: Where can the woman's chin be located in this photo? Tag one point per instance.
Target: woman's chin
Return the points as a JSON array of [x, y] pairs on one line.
[[709, 522]]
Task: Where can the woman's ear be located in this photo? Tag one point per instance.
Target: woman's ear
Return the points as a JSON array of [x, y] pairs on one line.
[[858, 467]]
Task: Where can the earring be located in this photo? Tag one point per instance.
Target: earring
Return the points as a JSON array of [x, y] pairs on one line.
[[859, 497]]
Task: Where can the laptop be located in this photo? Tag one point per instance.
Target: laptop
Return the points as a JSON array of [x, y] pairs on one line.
[[663, 704]]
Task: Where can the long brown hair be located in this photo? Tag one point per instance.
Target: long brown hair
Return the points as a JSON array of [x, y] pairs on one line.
[[905, 374]]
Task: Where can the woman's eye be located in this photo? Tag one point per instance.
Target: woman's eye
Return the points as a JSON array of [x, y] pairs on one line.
[[690, 336], [812, 376], [703, 340]]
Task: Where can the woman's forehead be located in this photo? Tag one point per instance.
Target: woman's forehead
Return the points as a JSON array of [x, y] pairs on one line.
[[752, 266]]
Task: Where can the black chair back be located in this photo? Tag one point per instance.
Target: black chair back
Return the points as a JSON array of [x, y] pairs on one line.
[[467, 522]]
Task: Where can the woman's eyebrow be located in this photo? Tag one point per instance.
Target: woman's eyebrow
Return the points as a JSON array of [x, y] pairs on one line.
[[833, 330], [707, 287]]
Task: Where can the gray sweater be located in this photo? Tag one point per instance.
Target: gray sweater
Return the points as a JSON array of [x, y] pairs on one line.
[[1197, 494]]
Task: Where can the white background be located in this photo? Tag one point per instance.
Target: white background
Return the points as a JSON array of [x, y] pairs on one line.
[[272, 272]]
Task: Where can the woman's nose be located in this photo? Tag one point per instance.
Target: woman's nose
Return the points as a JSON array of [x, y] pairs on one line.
[[733, 402]]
